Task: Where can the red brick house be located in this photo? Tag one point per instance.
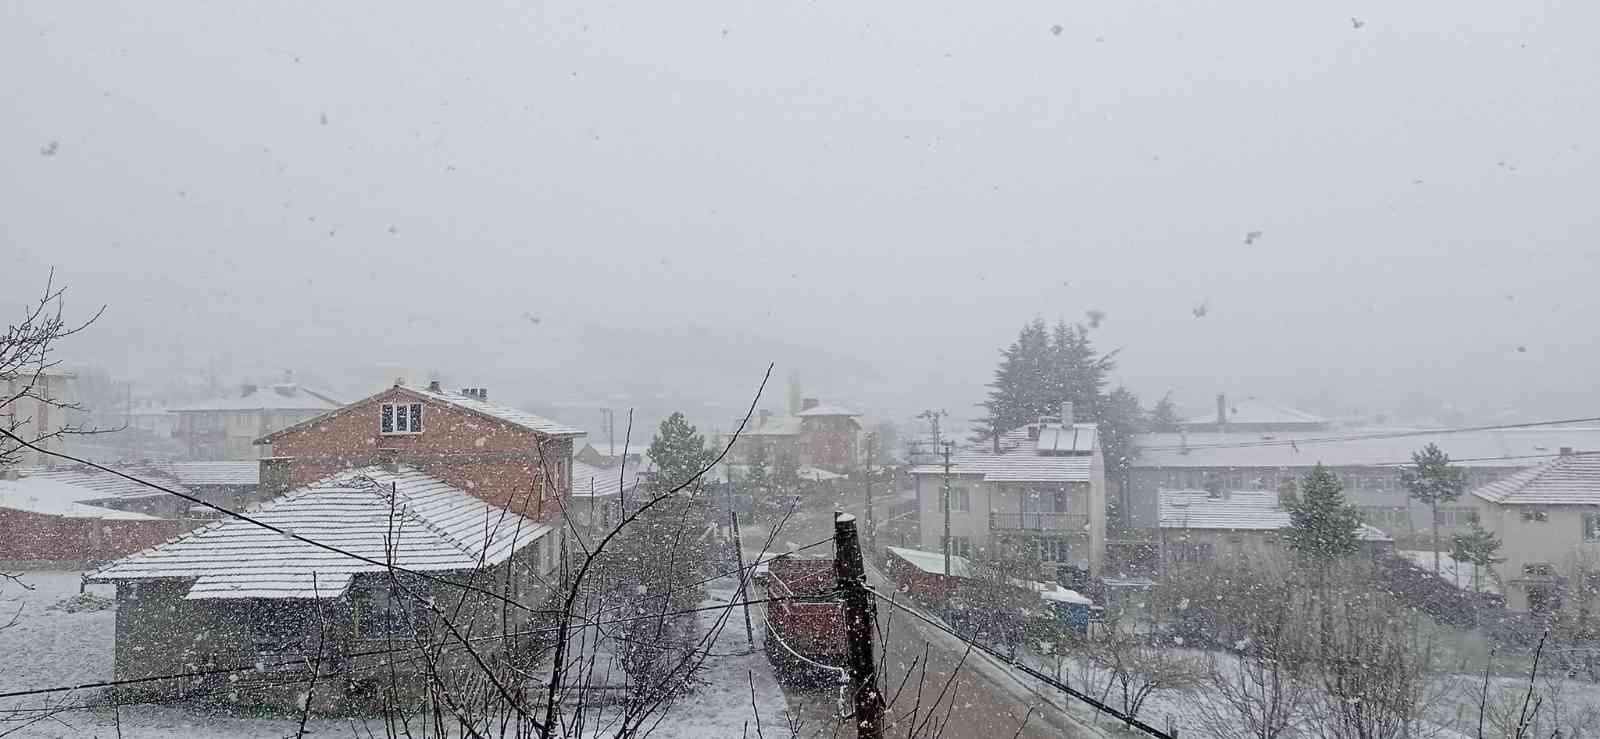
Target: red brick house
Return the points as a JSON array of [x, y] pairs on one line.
[[503, 456], [819, 435]]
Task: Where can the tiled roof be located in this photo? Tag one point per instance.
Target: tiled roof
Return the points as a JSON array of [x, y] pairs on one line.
[[826, 410], [286, 396], [1241, 511], [43, 495], [510, 415], [1019, 459], [1573, 479], [1255, 411], [434, 527], [1359, 447], [589, 481], [217, 473], [97, 484]]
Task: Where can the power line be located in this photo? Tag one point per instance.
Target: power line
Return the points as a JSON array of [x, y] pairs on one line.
[[1052, 682], [1296, 441]]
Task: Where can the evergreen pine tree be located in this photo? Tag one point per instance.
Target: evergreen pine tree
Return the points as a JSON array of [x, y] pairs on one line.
[[678, 453], [1322, 525], [1431, 481], [1163, 418], [1020, 393], [1476, 546]]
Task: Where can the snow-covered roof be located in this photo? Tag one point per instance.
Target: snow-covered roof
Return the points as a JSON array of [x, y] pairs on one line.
[[1059, 594], [1571, 479], [283, 396], [37, 494], [817, 474], [513, 416], [1021, 460], [95, 484], [1240, 511], [826, 409], [508, 414], [1255, 411], [1359, 448], [217, 473], [933, 562], [434, 527], [589, 481]]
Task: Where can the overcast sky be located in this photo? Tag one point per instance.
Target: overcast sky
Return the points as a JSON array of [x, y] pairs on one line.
[[903, 183]]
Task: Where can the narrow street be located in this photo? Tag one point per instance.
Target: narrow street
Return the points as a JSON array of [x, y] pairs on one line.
[[987, 699]]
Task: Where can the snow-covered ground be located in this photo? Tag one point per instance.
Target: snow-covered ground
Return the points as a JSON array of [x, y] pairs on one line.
[[1456, 573], [50, 648]]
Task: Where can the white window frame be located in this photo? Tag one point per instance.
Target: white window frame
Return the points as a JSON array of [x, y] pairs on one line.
[[411, 413]]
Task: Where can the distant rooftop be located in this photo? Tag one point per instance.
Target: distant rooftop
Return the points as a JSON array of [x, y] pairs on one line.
[[280, 396], [1241, 511], [825, 409], [472, 403], [1572, 479], [1523, 447], [1255, 412], [1033, 453]]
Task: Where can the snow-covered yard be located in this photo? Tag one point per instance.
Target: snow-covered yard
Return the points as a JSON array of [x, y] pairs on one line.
[[51, 647]]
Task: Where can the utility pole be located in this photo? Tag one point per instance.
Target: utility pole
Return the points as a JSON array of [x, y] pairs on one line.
[[872, 518], [946, 497], [744, 577], [861, 668]]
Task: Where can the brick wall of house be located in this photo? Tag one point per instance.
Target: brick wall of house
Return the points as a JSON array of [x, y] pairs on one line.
[[498, 462], [37, 538]]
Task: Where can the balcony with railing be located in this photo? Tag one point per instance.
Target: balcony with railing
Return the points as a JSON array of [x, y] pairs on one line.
[[1038, 521]]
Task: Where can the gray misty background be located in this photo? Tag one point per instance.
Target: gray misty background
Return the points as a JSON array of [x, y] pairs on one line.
[[583, 203]]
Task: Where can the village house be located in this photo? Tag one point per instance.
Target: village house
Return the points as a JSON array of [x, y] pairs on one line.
[[1368, 462], [75, 516], [227, 427], [507, 457], [1040, 487], [234, 594], [1548, 521], [818, 435], [31, 414], [446, 483], [1198, 526]]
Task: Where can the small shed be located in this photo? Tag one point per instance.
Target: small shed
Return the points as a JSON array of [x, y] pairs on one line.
[[922, 573]]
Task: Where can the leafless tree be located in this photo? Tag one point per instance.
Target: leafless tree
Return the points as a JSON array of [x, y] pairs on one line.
[[1263, 690], [1374, 673], [1133, 669], [27, 361]]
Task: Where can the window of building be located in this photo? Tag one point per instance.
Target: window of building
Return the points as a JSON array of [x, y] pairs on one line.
[[401, 418], [1535, 514], [1539, 569], [960, 499], [961, 546], [1591, 527], [1054, 549], [381, 611]]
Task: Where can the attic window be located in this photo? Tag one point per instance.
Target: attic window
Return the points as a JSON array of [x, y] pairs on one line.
[[401, 418]]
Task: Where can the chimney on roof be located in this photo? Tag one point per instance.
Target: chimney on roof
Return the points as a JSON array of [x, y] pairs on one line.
[[1066, 413], [433, 386], [1566, 451], [807, 404], [1222, 412], [996, 436]]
